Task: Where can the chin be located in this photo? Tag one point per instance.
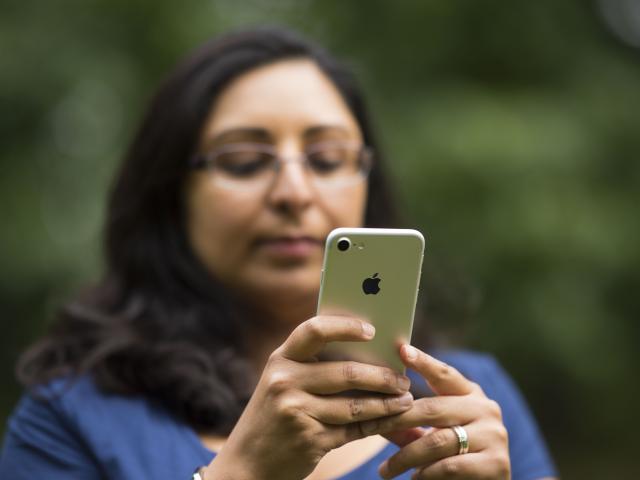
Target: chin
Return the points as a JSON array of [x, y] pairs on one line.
[[296, 284]]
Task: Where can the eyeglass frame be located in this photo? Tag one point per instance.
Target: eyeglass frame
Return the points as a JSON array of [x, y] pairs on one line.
[[365, 155]]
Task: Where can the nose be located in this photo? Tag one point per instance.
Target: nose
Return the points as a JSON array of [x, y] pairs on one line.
[[291, 192]]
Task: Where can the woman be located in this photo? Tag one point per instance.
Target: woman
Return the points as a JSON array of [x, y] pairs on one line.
[[200, 347]]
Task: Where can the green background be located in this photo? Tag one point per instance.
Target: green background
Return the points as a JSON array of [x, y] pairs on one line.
[[513, 129]]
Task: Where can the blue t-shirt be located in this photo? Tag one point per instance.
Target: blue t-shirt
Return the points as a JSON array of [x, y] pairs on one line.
[[83, 433]]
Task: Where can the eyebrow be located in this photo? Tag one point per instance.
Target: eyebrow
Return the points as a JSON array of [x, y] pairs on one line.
[[313, 131], [263, 135], [235, 134]]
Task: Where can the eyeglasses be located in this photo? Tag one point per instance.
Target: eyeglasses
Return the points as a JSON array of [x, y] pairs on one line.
[[254, 166]]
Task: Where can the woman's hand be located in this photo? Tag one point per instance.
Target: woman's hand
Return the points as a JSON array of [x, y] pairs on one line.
[[433, 452], [297, 413]]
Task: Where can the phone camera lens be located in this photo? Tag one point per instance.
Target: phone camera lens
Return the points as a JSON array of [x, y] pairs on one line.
[[344, 244]]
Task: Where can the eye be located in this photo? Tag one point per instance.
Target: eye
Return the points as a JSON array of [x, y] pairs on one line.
[[329, 159], [244, 163]]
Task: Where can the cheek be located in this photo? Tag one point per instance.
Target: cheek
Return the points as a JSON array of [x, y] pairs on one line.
[[217, 227], [347, 207]]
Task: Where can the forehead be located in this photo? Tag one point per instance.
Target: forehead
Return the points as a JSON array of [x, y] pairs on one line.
[[286, 97]]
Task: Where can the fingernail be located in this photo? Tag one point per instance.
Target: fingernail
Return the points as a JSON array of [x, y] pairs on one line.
[[369, 330], [405, 400], [404, 383], [411, 352]]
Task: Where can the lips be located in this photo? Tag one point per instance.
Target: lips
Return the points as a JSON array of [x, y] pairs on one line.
[[294, 247]]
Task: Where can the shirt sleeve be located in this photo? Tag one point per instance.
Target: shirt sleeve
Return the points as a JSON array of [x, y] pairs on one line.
[[530, 459], [40, 443]]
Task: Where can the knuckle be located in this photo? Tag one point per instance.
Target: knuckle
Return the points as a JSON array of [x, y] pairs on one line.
[[494, 409], [275, 356], [356, 406], [431, 407], [450, 467], [389, 377], [443, 372], [387, 405], [364, 429], [502, 434], [475, 387], [437, 439], [356, 326], [289, 407], [502, 465], [278, 382], [350, 372], [313, 328]]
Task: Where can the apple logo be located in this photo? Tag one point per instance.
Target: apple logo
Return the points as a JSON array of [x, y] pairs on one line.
[[370, 285]]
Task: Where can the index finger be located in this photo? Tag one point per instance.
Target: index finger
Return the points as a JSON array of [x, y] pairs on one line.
[[311, 336], [442, 378]]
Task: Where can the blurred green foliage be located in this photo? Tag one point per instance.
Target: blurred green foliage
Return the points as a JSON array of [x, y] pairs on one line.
[[513, 129]]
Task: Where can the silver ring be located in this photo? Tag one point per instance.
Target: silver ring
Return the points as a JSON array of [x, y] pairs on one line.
[[463, 439]]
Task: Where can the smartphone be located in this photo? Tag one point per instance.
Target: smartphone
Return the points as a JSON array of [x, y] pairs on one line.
[[374, 274]]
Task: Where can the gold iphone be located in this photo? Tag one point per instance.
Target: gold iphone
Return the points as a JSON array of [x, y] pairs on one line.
[[374, 274]]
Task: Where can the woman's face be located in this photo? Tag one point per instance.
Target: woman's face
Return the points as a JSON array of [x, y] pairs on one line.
[[267, 243]]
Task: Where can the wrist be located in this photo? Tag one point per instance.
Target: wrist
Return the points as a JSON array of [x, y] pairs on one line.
[[220, 469]]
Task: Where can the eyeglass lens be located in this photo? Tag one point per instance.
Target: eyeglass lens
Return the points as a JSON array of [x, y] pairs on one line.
[[252, 166]]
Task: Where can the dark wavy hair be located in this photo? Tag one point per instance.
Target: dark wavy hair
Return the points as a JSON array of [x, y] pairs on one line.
[[158, 323]]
